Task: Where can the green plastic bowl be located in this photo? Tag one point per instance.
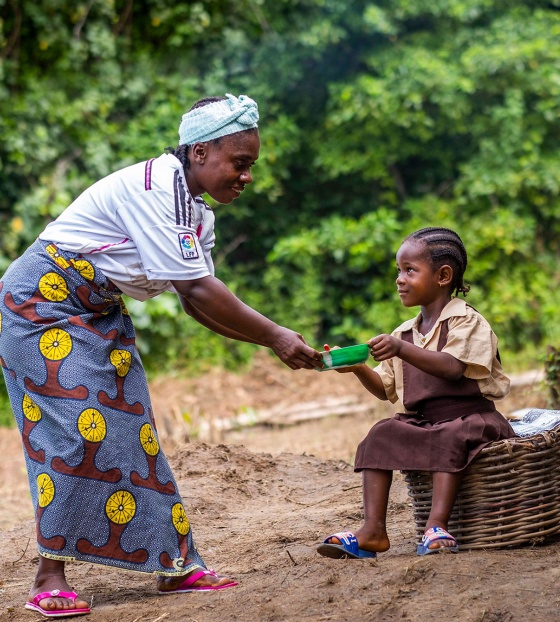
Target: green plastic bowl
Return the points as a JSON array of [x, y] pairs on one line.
[[345, 357]]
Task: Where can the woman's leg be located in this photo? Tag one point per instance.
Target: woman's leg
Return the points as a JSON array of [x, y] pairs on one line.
[[445, 488], [171, 583], [50, 576], [372, 535]]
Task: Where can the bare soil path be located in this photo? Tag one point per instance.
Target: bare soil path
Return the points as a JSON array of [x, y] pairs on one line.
[[260, 500]]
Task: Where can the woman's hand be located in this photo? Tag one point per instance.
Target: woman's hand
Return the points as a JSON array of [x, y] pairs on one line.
[[291, 349], [384, 347]]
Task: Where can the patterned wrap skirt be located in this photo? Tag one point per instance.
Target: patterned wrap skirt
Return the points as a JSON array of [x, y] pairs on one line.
[[102, 489]]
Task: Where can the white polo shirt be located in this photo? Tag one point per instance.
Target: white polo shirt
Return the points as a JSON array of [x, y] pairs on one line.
[[141, 227]]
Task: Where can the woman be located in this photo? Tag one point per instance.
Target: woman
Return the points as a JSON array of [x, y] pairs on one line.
[[102, 489]]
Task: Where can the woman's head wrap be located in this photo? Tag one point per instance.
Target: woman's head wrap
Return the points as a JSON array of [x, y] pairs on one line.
[[220, 118]]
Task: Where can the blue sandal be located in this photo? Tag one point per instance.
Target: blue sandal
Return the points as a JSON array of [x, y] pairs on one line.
[[348, 548], [432, 535]]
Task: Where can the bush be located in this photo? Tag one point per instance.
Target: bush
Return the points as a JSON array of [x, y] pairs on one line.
[[552, 377], [6, 416]]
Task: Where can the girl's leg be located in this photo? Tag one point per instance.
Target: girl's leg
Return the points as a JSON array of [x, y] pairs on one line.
[[372, 535], [50, 576], [445, 489]]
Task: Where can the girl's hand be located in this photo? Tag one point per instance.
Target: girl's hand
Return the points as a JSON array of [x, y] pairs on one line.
[[352, 369], [384, 347]]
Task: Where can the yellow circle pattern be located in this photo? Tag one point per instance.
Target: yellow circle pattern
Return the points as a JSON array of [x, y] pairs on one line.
[[121, 359], [45, 489], [148, 440], [123, 306], [57, 257], [120, 507], [30, 410], [53, 287], [92, 426], [180, 520], [84, 268], [55, 344]]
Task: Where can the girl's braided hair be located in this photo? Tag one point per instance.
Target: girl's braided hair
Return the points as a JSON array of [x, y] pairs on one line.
[[444, 246], [181, 151]]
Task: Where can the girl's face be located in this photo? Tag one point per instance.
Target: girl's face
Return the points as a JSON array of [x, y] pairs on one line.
[[417, 281], [224, 169]]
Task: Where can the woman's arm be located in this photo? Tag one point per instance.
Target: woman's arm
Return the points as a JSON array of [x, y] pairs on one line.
[[219, 307], [438, 364], [213, 326]]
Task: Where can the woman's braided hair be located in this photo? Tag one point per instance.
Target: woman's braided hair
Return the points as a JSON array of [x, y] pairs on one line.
[[444, 246], [181, 151]]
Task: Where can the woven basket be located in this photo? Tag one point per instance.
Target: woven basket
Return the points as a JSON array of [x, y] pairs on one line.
[[510, 494]]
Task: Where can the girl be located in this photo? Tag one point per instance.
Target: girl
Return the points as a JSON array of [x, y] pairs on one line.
[[443, 366]]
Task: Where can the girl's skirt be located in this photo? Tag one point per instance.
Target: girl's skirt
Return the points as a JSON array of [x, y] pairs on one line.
[[102, 489], [446, 436]]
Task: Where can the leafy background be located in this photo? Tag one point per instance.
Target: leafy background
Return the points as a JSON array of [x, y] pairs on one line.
[[376, 119]]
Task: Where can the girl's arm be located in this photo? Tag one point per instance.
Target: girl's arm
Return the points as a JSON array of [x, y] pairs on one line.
[[218, 306], [370, 379], [438, 364]]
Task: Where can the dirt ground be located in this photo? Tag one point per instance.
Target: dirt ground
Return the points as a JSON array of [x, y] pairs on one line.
[[261, 498]]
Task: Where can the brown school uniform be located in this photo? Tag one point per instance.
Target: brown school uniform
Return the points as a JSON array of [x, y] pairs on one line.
[[447, 422]]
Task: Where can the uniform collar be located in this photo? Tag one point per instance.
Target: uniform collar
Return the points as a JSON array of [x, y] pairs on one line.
[[456, 307]]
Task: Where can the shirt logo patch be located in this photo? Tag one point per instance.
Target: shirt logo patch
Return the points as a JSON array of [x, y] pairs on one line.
[[188, 245]]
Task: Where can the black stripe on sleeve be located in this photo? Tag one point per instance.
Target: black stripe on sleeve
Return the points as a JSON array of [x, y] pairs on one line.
[[176, 193]]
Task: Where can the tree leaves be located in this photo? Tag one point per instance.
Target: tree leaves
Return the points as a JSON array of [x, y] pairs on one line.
[[376, 119]]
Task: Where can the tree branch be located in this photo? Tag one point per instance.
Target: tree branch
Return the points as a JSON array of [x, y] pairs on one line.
[[220, 257], [14, 35], [399, 182], [123, 19], [78, 27]]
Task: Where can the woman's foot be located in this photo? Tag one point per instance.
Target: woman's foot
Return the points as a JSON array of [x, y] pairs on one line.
[[51, 578], [207, 580]]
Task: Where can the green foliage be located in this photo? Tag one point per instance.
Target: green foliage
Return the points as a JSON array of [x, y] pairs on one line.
[[325, 280], [552, 377], [6, 416], [376, 119]]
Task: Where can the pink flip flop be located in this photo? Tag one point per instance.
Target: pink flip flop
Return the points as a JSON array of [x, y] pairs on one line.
[[56, 613], [187, 585]]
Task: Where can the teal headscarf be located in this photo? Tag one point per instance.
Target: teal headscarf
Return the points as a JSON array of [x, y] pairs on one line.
[[220, 118]]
